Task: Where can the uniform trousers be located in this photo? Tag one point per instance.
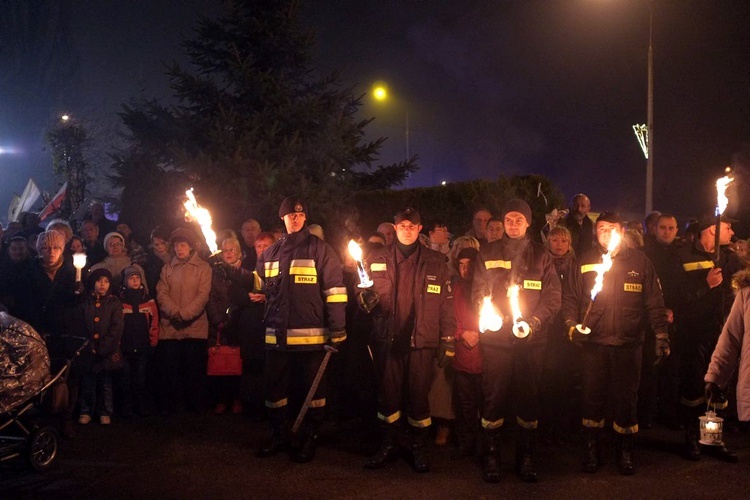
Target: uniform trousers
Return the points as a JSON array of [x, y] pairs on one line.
[[611, 375], [291, 373]]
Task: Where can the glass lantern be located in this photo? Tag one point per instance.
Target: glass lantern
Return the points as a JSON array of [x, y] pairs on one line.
[[711, 429]]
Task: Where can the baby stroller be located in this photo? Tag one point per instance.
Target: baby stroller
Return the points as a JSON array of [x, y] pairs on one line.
[[24, 380]]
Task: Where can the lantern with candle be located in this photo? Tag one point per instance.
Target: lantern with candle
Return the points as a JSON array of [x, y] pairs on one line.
[[711, 428]]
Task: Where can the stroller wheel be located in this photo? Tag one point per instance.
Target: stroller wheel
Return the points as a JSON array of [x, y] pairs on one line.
[[42, 448]]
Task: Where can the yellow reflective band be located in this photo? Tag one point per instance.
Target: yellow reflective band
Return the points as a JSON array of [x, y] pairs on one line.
[[277, 404], [305, 271], [341, 297], [589, 267], [692, 403], [271, 268], [271, 339], [497, 264], [533, 424], [318, 403], [377, 266], [697, 266], [270, 273], [305, 340], [450, 354], [633, 287], [306, 280], [486, 424], [336, 294], [390, 418], [596, 424], [420, 423], [433, 288], [532, 285], [633, 429]]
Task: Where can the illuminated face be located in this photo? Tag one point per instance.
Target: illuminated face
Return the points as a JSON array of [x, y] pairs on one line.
[[182, 249], [76, 246], [250, 231], [159, 245], [407, 232], [559, 245], [466, 268], [439, 235], [51, 254], [581, 207], [515, 225], [387, 230], [604, 232], [294, 222], [89, 231], [481, 218], [101, 287], [115, 247], [134, 281], [261, 245], [666, 230], [230, 252], [495, 230], [726, 233]]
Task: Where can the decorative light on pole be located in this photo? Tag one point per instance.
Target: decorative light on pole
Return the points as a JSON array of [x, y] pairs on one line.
[[645, 132]]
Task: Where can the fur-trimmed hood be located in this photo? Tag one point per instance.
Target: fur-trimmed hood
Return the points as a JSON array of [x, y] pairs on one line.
[[740, 280]]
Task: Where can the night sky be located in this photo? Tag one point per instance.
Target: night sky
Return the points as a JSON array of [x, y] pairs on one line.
[[490, 87]]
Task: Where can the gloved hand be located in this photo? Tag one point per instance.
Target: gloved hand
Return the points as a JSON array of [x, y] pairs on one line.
[[714, 394], [534, 325], [79, 288], [337, 337], [368, 299], [662, 345], [446, 351], [570, 326]]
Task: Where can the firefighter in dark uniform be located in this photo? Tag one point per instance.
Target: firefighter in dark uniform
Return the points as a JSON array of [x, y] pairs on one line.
[[706, 302], [630, 299], [411, 303], [305, 309], [513, 365]]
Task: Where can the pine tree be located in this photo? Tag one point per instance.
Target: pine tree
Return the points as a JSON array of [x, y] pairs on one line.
[[255, 123]]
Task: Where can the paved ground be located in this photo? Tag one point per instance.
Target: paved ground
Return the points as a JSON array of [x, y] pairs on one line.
[[207, 456]]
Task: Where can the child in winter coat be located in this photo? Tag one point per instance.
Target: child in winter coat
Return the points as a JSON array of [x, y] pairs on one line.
[[103, 321], [139, 337]]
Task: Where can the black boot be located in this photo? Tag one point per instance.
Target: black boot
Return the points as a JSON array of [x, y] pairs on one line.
[[306, 452], [420, 461], [692, 450], [624, 446], [278, 442], [388, 450], [722, 453], [525, 455], [491, 456], [591, 450]]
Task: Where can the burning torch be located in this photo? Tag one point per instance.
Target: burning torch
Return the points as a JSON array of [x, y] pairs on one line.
[[605, 266], [79, 262], [193, 211], [520, 328], [721, 205], [489, 319], [356, 252]]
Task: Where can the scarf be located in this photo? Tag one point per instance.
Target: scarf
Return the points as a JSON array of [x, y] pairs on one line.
[[52, 270]]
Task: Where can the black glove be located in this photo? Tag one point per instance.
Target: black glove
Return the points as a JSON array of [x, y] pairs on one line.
[[368, 299], [337, 337], [446, 351], [714, 394], [662, 345], [534, 325], [573, 334], [79, 288]]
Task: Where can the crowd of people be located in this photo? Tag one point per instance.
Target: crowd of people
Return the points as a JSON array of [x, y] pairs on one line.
[[652, 347]]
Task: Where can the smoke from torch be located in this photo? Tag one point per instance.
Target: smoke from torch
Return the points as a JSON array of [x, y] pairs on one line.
[[605, 266], [203, 217]]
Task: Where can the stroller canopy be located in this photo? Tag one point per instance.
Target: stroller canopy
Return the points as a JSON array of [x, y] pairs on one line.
[[24, 362]]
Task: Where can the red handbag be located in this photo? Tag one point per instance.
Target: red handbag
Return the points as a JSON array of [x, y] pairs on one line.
[[224, 360]]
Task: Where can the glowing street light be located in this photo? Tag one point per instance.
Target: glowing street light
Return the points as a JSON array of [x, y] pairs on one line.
[[65, 118], [380, 93]]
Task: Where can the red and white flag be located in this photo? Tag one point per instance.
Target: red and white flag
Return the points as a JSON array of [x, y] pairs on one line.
[[55, 203]]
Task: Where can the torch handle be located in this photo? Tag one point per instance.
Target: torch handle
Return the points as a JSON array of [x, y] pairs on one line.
[[717, 240], [586, 316], [78, 274]]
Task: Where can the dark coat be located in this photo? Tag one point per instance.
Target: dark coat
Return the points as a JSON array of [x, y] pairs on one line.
[[229, 289], [103, 319]]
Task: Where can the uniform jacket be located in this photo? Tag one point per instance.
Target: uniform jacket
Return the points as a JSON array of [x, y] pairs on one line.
[[434, 314], [104, 322], [141, 320], [630, 299], [305, 292], [183, 288], [733, 348], [528, 264]]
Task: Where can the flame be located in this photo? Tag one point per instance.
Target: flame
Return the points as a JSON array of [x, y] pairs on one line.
[[203, 217], [489, 319], [721, 198], [355, 251], [606, 264], [514, 307]]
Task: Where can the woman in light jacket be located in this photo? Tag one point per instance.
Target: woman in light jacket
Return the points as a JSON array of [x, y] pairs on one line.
[[182, 294]]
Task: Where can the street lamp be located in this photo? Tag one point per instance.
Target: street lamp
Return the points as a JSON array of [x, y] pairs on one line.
[[380, 93]]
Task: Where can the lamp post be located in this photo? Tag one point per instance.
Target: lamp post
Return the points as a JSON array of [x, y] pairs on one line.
[[650, 113], [380, 93]]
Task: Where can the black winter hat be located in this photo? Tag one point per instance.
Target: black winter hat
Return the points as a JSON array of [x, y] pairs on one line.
[[97, 274], [710, 220], [517, 205], [408, 214], [292, 204], [611, 217], [467, 253]]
